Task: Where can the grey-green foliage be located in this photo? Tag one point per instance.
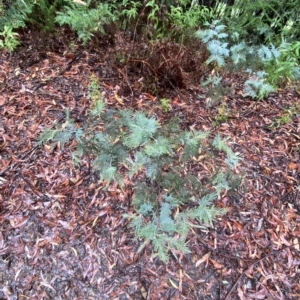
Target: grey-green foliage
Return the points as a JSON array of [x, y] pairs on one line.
[[220, 45], [214, 37], [263, 21], [169, 197], [256, 86], [270, 65]]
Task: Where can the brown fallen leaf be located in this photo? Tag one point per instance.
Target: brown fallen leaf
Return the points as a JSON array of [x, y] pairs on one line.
[[203, 259], [293, 166], [2, 100], [216, 264]]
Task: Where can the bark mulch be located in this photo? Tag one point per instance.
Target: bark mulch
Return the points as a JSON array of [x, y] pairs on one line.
[[63, 237]]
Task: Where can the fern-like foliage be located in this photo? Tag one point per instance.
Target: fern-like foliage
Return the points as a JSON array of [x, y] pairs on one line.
[[267, 54], [191, 142], [158, 147], [86, 21], [214, 38], [215, 31], [205, 212], [141, 129], [15, 14], [221, 145], [257, 87], [62, 134], [239, 52], [168, 197], [273, 65]]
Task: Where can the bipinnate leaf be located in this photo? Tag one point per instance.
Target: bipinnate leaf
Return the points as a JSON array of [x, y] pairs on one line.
[[158, 147], [131, 145], [141, 129]]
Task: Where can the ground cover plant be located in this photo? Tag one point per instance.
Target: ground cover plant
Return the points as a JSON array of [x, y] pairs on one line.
[[142, 110], [150, 154]]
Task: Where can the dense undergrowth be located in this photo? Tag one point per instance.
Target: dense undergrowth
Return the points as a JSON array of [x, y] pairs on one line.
[[174, 42]]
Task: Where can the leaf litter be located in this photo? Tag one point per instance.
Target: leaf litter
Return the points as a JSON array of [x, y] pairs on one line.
[[62, 236]]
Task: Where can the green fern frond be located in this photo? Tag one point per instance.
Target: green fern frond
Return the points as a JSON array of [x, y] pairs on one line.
[[126, 116], [62, 134], [204, 213], [158, 147], [159, 245], [152, 171], [179, 244], [65, 135], [150, 125], [109, 173], [102, 139], [145, 209], [79, 135], [220, 144], [171, 200], [165, 211], [218, 52], [148, 231], [238, 52], [220, 183], [47, 135], [206, 200], [268, 53], [232, 159], [183, 226], [97, 109], [102, 160], [168, 226], [257, 88], [141, 129], [166, 222], [215, 31], [136, 165]]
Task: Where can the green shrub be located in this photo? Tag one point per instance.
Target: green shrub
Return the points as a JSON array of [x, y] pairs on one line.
[[285, 67], [257, 87], [21, 13], [10, 41], [14, 13], [156, 19], [169, 197], [87, 21], [263, 22], [12, 16], [44, 12], [269, 66]]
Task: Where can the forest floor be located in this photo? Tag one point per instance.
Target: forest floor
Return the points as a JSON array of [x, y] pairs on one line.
[[62, 236]]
